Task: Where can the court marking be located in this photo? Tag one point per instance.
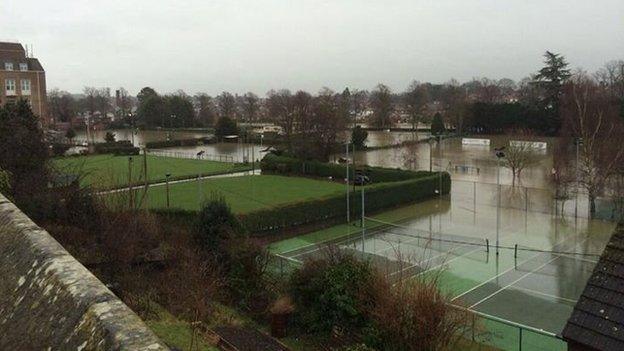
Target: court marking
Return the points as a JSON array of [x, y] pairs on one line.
[[557, 256], [502, 273], [514, 282], [531, 291]]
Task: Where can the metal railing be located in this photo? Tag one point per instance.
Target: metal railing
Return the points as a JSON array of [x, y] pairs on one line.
[[193, 156], [512, 336]]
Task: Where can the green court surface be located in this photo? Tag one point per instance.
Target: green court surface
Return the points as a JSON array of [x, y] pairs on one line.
[[243, 193], [524, 296], [106, 171]]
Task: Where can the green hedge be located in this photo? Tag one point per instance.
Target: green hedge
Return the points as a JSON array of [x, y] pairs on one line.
[[377, 197], [179, 142], [117, 148], [286, 165]]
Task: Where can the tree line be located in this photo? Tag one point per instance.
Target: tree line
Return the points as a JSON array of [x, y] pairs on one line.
[[481, 105]]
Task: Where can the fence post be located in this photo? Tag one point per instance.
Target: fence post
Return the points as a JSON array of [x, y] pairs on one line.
[[520, 340]]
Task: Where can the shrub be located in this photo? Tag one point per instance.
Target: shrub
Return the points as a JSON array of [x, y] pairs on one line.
[[122, 147], [358, 137], [415, 315], [215, 225], [272, 163], [226, 126], [334, 291], [110, 137]]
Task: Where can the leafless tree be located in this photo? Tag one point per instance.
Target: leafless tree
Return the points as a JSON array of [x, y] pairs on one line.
[[204, 105], [382, 105], [250, 104], [62, 106], [226, 104], [612, 76], [455, 101], [280, 109], [416, 98], [588, 112], [520, 154]]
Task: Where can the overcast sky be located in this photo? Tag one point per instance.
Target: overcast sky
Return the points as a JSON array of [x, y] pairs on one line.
[[257, 45]]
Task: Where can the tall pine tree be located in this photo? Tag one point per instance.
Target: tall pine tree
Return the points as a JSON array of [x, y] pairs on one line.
[[550, 80]]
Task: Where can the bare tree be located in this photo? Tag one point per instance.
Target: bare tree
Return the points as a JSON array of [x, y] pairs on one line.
[[62, 106], [280, 109], [415, 99], [250, 104], [589, 113], [612, 76], [204, 105], [226, 104], [520, 154], [382, 105]]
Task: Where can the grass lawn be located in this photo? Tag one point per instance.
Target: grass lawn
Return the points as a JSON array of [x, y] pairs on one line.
[[244, 193], [105, 171]]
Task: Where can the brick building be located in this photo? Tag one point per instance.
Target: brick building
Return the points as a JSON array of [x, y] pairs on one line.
[[23, 77]]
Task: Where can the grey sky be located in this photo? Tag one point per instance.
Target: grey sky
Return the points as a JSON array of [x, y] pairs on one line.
[[257, 45]]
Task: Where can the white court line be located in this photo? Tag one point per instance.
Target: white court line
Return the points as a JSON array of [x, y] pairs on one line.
[[514, 282], [545, 294], [501, 274], [522, 277]]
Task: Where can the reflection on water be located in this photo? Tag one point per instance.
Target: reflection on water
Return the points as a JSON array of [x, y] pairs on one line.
[[465, 162], [239, 151]]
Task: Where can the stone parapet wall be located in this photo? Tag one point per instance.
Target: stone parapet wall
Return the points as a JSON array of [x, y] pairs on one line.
[[49, 301]]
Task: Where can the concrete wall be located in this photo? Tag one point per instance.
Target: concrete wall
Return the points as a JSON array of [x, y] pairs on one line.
[[49, 301]]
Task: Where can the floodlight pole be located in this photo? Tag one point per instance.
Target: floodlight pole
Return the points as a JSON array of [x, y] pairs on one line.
[[577, 141], [347, 159], [498, 205], [363, 222], [167, 187]]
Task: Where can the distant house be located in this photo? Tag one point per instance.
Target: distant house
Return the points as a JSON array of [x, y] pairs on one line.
[[597, 322], [22, 77]]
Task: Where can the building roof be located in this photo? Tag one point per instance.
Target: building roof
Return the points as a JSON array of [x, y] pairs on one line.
[[598, 317], [6, 46]]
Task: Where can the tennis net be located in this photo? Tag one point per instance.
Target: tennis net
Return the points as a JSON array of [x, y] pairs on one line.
[[427, 238]]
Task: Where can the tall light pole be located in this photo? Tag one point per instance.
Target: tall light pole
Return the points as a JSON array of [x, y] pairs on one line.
[[347, 159], [167, 186], [499, 155], [578, 142]]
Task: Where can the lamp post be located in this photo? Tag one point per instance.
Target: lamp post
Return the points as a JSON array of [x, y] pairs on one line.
[[499, 156], [347, 159], [167, 186], [577, 142]]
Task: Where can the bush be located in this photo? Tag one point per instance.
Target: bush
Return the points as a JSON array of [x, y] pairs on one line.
[[377, 197], [335, 291], [215, 225], [226, 126], [178, 142], [414, 315], [118, 148], [272, 163]]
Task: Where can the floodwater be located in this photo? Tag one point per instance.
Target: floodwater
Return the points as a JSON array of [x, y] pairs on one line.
[[140, 137], [464, 162]]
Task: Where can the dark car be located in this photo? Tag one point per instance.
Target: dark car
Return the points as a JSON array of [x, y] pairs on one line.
[[361, 179]]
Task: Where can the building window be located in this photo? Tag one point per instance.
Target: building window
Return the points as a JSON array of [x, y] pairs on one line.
[[8, 66], [9, 86], [25, 86], [23, 67]]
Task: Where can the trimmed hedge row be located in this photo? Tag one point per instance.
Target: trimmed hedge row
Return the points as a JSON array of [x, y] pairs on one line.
[[179, 142], [377, 197], [272, 163], [117, 148]]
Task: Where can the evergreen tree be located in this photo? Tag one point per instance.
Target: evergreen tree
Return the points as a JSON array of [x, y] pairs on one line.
[[550, 79], [437, 125], [358, 137]]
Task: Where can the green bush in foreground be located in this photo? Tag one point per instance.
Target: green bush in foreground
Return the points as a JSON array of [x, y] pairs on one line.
[[333, 292]]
